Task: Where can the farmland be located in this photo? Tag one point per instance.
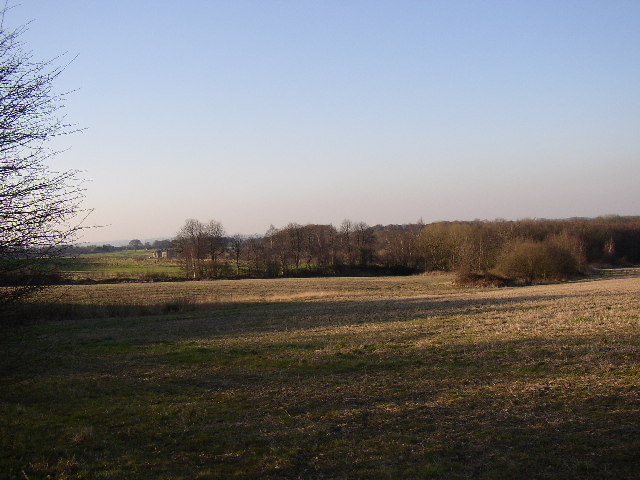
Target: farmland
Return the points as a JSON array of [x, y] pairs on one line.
[[120, 265], [387, 377]]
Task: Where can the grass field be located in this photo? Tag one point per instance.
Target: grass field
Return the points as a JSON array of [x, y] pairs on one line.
[[403, 377], [123, 264]]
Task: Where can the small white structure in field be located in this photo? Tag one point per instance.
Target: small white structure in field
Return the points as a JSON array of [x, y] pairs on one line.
[[164, 254]]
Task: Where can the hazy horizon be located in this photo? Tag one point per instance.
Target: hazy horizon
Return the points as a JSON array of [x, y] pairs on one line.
[[383, 112]]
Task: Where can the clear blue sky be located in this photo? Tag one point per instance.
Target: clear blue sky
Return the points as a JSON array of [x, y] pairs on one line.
[[261, 112]]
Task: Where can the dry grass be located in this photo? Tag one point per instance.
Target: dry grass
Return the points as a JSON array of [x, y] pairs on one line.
[[280, 289], [135, 299], [329, 378]]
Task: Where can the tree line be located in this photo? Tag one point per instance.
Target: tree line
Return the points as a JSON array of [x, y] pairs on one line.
[[134, 244], [526, 250]]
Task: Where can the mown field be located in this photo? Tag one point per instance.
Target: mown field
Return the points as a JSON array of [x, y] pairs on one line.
[[403, 377]]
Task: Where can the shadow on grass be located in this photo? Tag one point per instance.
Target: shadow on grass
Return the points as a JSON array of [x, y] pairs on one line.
[[616, 272], [235, 318], [239, 317], [199, 390], [536, 408]]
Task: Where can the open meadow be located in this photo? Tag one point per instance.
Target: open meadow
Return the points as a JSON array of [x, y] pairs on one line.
[[388, 377], [119, 265]]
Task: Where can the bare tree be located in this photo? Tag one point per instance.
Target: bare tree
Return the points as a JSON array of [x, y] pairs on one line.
[[237, 242], [282, 248], [40, 209], [310, 245], [295, 242], [393, 246], [436, 246], [214, 238], [324, 244], [255, 253], [273, 252], [191, 240], [365, 241], [346, 237]]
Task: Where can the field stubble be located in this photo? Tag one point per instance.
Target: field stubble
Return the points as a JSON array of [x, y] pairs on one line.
[[328, 378]]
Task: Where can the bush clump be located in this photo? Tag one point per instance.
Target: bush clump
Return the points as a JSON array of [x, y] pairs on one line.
[[558, 257], [484, 279]]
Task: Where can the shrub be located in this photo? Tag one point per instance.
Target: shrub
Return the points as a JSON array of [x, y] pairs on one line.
[[485, 279], [572, 245], [533, 261]]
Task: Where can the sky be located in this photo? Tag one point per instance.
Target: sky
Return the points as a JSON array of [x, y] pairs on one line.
[[268, 112]]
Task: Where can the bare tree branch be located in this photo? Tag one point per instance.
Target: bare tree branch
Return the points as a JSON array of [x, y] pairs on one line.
[[40, 209]]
